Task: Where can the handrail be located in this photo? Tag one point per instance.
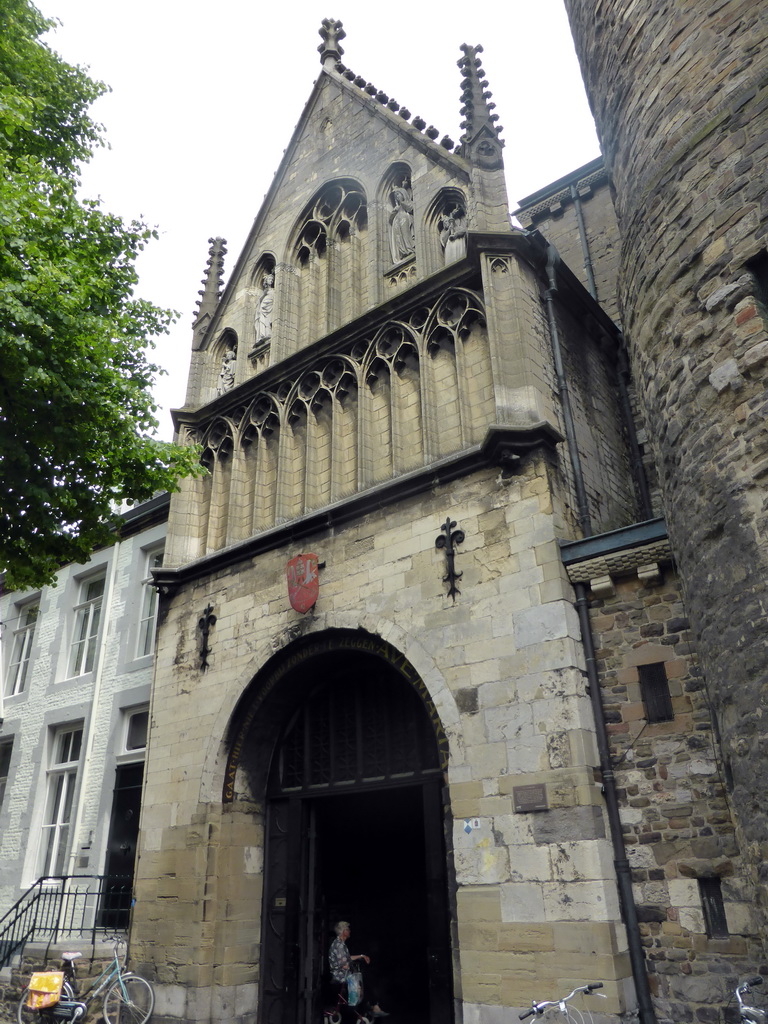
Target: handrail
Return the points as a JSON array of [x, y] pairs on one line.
[[60, 907]]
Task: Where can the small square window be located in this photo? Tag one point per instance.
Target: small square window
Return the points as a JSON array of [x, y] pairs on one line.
[[654, 689], [710, 891], [138, 726]]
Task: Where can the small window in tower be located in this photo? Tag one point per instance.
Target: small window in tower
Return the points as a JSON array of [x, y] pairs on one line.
[[758, 267], [710, 891], [654, 689]]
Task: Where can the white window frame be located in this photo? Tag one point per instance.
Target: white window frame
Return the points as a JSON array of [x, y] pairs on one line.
[[129, 714], [145, 643], [66, 748], [85, 633], [21, 650]]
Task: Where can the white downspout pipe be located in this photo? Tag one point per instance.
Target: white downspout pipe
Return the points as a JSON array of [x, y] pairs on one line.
[[90, 732]]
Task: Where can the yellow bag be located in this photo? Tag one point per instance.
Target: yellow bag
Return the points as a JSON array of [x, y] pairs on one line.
[[45, 989]]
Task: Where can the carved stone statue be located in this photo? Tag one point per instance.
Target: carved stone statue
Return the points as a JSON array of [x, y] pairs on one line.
[[266, 304], [402, 241], [453, 234], [227, 372]]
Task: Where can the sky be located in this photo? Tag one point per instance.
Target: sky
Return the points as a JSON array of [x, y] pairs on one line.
[[205, 96]]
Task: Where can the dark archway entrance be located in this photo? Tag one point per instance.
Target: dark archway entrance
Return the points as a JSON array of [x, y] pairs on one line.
[[355, 831]]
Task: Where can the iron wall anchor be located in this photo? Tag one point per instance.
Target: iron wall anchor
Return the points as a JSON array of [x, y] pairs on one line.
[[447, 540]]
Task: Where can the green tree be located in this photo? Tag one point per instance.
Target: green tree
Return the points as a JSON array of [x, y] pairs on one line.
[[76, 413]]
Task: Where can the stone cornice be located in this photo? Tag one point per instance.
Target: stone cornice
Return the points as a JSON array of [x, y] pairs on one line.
[[503, 445]]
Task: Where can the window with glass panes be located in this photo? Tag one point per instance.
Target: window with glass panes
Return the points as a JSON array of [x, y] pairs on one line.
[[86, 633], [136, 729], [23, 635], [62, 779], [6, 746], [148, 618]]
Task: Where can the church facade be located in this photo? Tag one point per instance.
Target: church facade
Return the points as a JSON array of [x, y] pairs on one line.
[[423, 660]]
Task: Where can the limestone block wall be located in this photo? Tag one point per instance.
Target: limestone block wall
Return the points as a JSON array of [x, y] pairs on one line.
[[678, 825], [535, 899], [590, 366], [680, 94], [395, 394], [325, 234], [552, 211]]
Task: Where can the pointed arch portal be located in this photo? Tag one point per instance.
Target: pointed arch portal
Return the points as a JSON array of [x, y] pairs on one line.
[[340, 737]]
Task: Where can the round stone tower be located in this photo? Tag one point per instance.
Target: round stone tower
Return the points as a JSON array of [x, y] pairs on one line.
[[680, 96]]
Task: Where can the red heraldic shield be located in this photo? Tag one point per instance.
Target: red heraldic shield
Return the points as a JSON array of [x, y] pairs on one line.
[[303, 583]]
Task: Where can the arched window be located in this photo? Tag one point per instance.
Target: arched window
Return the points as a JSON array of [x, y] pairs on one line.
[[329, 258]]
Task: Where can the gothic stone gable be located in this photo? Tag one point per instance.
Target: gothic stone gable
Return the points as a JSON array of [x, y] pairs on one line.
[[355, 214]]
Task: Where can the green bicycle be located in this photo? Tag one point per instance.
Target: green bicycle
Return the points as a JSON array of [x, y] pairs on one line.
[[127, 997]]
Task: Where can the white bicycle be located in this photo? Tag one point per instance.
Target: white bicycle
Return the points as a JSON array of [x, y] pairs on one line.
[[749, 1014], [569, 1013]]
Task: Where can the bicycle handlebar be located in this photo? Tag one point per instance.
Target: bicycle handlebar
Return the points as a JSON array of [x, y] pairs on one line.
[[539, 1008]]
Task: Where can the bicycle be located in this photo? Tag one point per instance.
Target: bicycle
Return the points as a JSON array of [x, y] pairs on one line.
[[128, 998], [570, 1014], [749, 1014]]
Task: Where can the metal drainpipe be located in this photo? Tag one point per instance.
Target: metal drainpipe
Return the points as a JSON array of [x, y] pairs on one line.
[[553, 258], [620, 861], [637, 467], [588, 269], [98, 676]]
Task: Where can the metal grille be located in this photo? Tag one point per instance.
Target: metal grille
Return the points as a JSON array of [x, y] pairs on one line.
[[356, 730], [654, 688], [712, 904]]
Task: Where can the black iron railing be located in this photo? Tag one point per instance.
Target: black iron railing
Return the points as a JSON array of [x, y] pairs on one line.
[[63, 907]]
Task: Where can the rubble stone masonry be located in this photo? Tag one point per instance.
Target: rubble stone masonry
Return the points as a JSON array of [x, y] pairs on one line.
[[676, 816], [680, 94]]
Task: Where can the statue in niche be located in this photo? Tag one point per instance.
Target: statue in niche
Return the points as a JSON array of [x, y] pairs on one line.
[[402, 240], [264, 311], [453, 234], [227, 372]]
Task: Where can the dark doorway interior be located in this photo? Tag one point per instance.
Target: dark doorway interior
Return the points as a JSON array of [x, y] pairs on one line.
[[115, 907], [355, 831], [371, 872]]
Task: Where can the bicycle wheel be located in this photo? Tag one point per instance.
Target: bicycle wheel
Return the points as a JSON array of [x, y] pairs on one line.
[[26, 1016], [129, 1000]]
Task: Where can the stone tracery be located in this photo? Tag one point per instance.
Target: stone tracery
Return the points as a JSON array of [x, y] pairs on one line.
[[351, 420]]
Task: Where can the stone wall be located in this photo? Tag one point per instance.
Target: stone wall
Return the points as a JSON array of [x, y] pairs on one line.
[[676, 812], [535, 897], [680, 97], [552, 210]]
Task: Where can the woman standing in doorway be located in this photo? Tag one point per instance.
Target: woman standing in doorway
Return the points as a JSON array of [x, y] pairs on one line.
[[340, 963]]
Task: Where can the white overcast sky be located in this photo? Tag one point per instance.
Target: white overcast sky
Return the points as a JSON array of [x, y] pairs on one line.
[[205, 96]]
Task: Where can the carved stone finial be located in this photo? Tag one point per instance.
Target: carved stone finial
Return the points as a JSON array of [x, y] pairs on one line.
[[480, 142], [212, 283], [331, 32]]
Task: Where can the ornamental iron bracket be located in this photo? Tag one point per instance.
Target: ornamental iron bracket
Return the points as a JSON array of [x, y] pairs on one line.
[[447, 541], [207, 620]]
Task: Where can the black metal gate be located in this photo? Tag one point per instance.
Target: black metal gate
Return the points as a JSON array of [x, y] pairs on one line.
[[355, 830]]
